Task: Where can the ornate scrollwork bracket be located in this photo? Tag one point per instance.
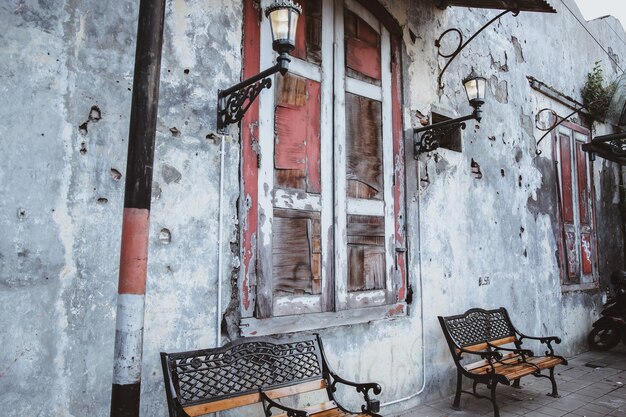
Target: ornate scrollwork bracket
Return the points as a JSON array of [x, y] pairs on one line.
[[232, 108], [431, 139], [461, 45], [233, 102], [432, 134]]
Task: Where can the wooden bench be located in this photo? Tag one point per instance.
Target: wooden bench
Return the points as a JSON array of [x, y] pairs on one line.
[[257, 370], [485, 334]]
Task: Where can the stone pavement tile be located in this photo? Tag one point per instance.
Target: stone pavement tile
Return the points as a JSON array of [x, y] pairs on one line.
[[516, 409], [572, 386], [550, 411], [580, 395], [620, 409], [596, 408], [573, 372], [567, 404], [610, 402], [587, 413], [535, 414], [503, 414], [423, 411], [595, 393]]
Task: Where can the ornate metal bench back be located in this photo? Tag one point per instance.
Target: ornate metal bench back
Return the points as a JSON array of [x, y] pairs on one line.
[[242, 367], [478, 326]]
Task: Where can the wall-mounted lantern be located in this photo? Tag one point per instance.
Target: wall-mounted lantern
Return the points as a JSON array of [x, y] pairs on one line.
[[233, 102], [475, 88]]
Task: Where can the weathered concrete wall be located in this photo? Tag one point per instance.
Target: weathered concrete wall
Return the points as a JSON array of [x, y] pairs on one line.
[[62, 184], [66, 71]]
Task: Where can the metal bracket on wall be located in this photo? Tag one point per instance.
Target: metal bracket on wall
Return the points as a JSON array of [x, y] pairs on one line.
[[556, 120], [433, 134], [462, 44], [233, 102]]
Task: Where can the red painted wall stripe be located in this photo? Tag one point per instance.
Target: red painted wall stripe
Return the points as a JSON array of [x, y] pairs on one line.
[[249, 137], [134, 251]]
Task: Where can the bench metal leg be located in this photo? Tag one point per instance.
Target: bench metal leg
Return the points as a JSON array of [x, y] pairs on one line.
[[516, 383], [555, 392], [496, 409], [457, 396]]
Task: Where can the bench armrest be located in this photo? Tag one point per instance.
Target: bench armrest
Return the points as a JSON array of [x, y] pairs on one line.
[[484, 354], [371, 406], [268, 404], [547, 340], [523, 352]]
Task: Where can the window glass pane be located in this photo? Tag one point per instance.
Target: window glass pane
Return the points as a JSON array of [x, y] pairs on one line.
[[364, 154], [297, 134], [366, 253], [309, 32], [362, 51], [296, 252]]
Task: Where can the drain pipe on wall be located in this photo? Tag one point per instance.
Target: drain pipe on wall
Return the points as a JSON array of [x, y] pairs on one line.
[[421, 289], [129, 326], [220, 267]]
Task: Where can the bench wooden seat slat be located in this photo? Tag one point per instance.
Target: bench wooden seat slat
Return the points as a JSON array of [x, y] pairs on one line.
[[335, 412], [490, 335], [541, 362], [315, 409], [248, 399], [256, 370]]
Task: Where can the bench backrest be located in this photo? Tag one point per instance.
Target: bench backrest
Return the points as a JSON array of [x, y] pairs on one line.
[[474, 328], [210, 380]]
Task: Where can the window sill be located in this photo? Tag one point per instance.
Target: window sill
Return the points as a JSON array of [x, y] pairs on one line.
[[289, 324], [566, 288]]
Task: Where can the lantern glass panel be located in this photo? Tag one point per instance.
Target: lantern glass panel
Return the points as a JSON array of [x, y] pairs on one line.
[[279, 19], [475, 88]]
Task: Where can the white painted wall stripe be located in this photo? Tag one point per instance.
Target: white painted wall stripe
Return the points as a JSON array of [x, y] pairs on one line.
[[128, 339]]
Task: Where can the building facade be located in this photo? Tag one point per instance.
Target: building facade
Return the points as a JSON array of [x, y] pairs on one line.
[[316, 215]]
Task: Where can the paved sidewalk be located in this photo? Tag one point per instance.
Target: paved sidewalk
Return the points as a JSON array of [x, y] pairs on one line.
[[592, 385]]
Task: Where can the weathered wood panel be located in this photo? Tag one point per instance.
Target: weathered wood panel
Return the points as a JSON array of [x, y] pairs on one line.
[[339, 157], [586, 251], [399, 166], [583, 189], [249, 139], [573, 262], [362, 45], [366, 253], [296, 252], [309, 32], [254, 327], [566, 179], [364, 153], [297, 134]]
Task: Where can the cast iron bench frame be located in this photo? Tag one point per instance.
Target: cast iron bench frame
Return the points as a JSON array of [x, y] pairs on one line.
[[483, 333], [257, 370]]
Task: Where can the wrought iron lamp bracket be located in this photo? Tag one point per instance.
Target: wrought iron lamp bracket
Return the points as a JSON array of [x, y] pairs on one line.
[[233, 102], [557, 122], [616, 142], [431, 138], [462, 44]]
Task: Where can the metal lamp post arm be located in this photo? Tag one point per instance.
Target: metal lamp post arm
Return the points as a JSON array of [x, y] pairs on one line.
[[233, 102], [462, 44], [446, 123], [433, 133]]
